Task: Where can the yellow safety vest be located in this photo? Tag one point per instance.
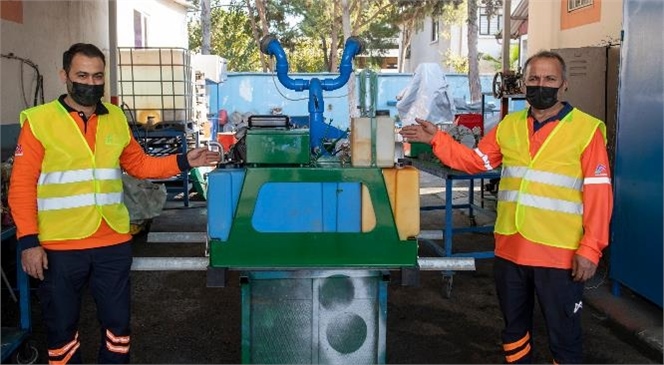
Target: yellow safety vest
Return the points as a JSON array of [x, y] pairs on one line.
[[78, 187], [541, 197]]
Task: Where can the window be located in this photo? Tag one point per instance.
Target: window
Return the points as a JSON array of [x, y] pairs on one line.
[[140, 29], [578, 4], [489, 25], [435, 29]]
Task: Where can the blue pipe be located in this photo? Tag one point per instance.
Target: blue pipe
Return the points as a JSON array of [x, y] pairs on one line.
[[270, 46], [352, 48]]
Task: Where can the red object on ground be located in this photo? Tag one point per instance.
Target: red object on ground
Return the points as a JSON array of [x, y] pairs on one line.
[[470, 121]]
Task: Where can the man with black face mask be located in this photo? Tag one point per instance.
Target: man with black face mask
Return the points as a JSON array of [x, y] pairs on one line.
[[554, 207], [66, 200]]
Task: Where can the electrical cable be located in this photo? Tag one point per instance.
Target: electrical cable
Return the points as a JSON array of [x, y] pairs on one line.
[[39, 87]]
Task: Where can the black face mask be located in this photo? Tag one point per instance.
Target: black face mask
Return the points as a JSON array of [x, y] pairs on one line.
[[84, 94], [541, 97]]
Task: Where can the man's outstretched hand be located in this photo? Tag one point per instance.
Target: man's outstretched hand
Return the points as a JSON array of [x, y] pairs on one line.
[[423, 131], [201, 156]]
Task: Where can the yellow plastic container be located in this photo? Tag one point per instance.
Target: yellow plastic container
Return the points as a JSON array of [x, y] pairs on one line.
[[403, 189], [360, 142]]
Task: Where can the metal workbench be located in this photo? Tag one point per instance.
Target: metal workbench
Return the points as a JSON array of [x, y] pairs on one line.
[[450, 176]]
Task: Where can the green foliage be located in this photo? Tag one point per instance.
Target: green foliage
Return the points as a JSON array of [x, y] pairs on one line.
[[305, 29], [454, 13], [456, 62], [305, 56], [230, 38], [492, 6], [372, 20], [497, 63]]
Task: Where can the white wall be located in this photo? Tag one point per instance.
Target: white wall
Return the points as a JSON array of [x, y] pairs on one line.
[[48, 29], [423, 50], [544, 27], [166, 23]]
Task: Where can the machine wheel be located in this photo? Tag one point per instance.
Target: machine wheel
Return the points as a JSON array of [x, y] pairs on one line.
[[498, 85], [448, 280], [27, 354]]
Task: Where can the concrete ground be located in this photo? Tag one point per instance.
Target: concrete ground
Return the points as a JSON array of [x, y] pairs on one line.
[[177, 319]]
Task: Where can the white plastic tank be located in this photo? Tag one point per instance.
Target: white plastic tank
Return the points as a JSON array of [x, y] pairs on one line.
[[361, 141]]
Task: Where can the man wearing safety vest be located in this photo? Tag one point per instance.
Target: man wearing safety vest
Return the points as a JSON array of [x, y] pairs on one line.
[[66, 199], [554, 207]]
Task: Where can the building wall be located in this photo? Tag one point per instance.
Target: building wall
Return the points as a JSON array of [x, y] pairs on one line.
[[556, 28], [41, 31], [453, 38], [422, 49], [166, 23]]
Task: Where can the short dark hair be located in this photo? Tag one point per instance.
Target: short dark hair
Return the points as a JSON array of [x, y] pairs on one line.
[[550, 55], [87, 49]]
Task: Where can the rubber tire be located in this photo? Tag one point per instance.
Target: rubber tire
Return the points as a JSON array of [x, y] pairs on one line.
[[27, 354], [497, 85]]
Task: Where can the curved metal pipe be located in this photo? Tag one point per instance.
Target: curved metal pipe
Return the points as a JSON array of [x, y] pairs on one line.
[[352, 48], [271, 47]]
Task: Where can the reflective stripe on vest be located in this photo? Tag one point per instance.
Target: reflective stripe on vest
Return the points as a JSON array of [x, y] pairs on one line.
[[530, 200], [540, 196], [596, 180], [542, 177], [78, 187], [64, 177], [79, 201]]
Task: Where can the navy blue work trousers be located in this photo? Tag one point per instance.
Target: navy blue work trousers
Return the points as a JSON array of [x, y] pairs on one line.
[[560, 300], [106, 271]]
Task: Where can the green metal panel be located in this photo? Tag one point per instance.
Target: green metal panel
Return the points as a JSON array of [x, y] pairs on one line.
[[417, 148], [247, 248], [278, 147], [314, 317]]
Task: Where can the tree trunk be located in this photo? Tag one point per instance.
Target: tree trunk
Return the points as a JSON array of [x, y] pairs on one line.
[[406, 37], [205, 26], [326, 54], [260, 7], [334, 42], [352, 97], [257, 38], [473, 61]]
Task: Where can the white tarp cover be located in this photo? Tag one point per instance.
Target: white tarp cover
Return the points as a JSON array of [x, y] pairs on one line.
[[426, 97]]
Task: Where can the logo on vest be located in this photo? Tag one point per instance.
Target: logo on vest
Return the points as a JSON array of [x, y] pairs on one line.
[[110, 140], [18, 151], [578, 306], [600, 170]]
